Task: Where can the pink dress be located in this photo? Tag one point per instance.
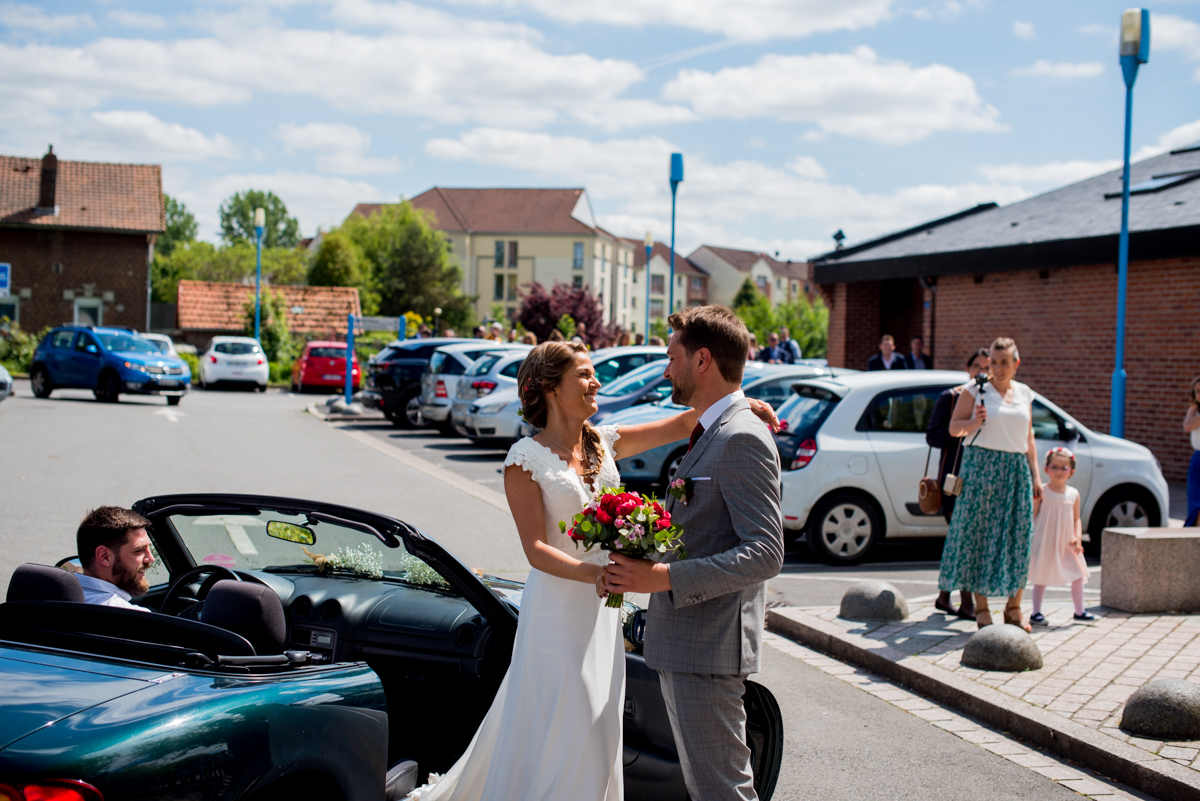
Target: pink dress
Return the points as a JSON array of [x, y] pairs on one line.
[[1052, 561]]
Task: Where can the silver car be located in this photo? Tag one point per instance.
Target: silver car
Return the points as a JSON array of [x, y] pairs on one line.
[[5, 383], [491, 372], [448, 366]]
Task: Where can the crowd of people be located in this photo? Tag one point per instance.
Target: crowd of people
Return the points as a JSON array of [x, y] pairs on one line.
[[497, 332], [888, 359], [780, 348]]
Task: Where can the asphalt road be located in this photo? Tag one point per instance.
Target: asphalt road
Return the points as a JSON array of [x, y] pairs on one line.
[[68, 454]]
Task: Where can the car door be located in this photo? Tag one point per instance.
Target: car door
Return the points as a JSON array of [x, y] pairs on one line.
[[59, 357], [894, 424], [1053, 430], [86, 361]]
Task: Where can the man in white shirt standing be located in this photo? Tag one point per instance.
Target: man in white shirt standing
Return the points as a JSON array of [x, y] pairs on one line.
[[114, 550]]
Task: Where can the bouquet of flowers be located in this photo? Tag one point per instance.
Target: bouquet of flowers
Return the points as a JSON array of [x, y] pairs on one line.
[[625, 523]]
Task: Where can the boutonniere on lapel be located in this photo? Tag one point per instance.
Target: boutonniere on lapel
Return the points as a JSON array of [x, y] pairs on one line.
[[683, 489]]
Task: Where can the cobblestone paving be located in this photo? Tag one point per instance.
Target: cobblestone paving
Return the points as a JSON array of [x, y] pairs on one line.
[[1089, 670], [1075, 778]]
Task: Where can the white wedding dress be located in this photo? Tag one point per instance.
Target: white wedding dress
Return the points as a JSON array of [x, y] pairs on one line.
[[554, 728]]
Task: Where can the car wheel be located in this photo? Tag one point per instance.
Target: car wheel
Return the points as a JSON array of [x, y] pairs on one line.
[[1121, 507], [843, 528], [108, 390], [672, 465], [39, 381], [410, 416], [261, 387], [173, 400]]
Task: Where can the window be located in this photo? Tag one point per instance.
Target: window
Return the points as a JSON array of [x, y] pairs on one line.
[[577, 282], [328, 353], [85, 341], [635, 275], [772, 392], [697, 283], [512, 255], [624, 296], [89, 311], [498, 291], [657, 282], [577, 259], [906, 410], [63, 339], [499, 254], [633, 301], [239, 348], [483, 364], [11, 308], [762, 283], [513, 369], [656, 307], [1048, 425], [512, 288]]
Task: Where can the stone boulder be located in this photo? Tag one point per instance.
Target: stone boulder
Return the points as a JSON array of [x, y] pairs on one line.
[[1167, 709], [873, 601], [1002, 647]]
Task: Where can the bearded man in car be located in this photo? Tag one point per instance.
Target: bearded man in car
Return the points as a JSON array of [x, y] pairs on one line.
[[114, 551]]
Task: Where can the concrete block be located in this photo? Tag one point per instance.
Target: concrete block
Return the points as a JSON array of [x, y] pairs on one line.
[[1151, 570], [1165, 710], [873, 600], [1002, 647]]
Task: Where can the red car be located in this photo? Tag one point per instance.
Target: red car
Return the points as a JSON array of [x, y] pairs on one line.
[[323, 364]]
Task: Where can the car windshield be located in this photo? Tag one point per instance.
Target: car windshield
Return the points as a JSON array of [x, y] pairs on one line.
[[639, 378], [327, 353], [484, 364], [805, 410], [160, 345], [126, 343], [241, 542], [235, 348]]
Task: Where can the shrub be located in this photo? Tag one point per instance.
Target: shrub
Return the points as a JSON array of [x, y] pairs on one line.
[[193, 363], [17, 347]]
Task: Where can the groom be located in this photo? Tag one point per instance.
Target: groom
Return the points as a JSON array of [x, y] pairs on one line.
[[704, 628]]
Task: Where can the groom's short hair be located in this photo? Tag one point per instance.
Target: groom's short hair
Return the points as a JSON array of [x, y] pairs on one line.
[[718, 329]]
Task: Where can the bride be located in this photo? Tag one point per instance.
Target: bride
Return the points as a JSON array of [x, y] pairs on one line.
[[554, 728]]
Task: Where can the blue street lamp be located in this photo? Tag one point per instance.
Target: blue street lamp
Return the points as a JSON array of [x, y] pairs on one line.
[[676, 180], [260, 221], [1135, 51], [649, 242]]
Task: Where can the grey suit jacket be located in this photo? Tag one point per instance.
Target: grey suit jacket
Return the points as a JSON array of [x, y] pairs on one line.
[[711, 620]]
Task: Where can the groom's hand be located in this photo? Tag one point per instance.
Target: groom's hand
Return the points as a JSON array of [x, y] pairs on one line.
[[636, 575]]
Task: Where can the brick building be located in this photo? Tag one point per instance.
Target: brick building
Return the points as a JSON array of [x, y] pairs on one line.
[[207, 308], [79, 237], [1043, 271]]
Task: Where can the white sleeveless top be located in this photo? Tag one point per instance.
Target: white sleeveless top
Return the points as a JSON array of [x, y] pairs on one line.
[[1195, 439], [564, 492], [1007, 424]]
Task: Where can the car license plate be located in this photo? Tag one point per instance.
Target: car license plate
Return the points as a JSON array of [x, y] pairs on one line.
[[333, 377], [238, 363], [169, 383]]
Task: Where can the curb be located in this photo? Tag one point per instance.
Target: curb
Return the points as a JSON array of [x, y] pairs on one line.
[[1149, 773]]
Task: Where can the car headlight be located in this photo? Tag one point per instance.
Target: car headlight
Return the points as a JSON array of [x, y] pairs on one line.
[[141, 368]]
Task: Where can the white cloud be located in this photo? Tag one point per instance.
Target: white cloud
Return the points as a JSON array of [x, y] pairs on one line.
[[340, 149], [853, 94], [717, 201], [1023, 30], [133, 19], [16, 15], [1049, 175], [1181, 136], [746, 20], [1175, 33], [1061, 69], [122, 136]]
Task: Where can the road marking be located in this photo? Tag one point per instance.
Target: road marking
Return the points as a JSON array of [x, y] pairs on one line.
[[235, 527], [170, 414]]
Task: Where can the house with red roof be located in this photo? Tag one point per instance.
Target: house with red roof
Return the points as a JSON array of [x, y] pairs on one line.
[[208, 308], [729, 268], [506, 238], [78, 237], [691, 280]]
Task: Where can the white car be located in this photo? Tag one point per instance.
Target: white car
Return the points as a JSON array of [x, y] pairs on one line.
[[161, 341], [5, 383], [447, 366], [490, 373], [234, 360], [853, 455]]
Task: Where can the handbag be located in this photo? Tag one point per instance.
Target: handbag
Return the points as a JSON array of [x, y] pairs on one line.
[[929, 494]]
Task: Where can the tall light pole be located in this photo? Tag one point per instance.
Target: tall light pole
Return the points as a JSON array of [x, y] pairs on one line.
[[676, 180], [649, 243], [1135, 51], [260, 221]]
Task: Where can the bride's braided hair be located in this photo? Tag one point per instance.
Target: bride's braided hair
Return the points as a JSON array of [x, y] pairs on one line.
[[540, 374]]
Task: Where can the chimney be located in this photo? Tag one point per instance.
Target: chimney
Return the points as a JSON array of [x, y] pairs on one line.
[[47, 195]]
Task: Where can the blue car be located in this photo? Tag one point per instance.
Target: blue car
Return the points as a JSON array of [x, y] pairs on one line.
[[108, 361], [768, 382]]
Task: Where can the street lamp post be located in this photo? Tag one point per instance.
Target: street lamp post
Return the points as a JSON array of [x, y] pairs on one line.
[[649, 243], [260, 221], [1135, 51], [437, 317], [676, 180]]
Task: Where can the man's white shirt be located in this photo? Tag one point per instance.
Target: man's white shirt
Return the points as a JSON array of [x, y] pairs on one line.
[[713, 413], [105, 593]]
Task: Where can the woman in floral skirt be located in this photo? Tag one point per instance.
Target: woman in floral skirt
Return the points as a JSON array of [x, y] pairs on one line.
[[987, 547]]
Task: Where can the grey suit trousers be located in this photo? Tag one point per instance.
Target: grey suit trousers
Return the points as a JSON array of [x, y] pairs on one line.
[[709, 721]]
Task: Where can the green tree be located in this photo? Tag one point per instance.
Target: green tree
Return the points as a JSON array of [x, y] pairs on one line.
[[338, 262], [808, 324], [276, 340], [759, 317], [410, 265], [746, 295], [202, 261], [237, 220], [181, 227]]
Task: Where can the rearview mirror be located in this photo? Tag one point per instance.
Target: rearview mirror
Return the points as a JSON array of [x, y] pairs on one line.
[[291, 532]]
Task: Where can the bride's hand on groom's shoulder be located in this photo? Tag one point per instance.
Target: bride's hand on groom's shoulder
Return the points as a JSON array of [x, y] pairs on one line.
[[763, 411], [624, 574]]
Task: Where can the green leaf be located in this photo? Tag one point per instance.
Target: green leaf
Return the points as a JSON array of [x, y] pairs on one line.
[[562, 526]]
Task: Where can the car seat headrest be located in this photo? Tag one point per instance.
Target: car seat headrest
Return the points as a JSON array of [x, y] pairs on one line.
[[43, 583], [251, 610]]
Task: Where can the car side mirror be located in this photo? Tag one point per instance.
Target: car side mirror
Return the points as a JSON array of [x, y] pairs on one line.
[[92, 349], [635, 630], [1068, 431]]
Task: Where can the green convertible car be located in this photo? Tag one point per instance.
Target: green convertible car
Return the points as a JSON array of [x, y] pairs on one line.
[[298, 650]]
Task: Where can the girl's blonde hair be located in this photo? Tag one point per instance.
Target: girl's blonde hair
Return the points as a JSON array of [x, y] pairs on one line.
[[1005, 343], [540, 374]]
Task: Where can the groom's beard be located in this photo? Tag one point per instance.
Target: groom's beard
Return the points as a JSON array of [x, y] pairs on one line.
[[132, 580], [682, 389]]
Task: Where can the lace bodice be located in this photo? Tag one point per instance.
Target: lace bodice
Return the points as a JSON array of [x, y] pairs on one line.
[[564, 492]]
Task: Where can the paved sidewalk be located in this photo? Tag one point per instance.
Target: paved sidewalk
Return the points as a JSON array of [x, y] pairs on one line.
[[1089, 672]]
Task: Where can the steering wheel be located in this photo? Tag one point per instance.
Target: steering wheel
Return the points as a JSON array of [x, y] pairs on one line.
[[171, 603]]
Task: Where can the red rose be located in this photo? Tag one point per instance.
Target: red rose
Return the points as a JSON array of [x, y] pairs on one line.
[[664, 521], [603, 516], [608, 503], [589, 511], [658, 510], [627, 503], [578, 537]]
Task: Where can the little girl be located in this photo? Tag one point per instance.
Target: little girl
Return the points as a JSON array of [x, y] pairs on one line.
[[1056, 556]]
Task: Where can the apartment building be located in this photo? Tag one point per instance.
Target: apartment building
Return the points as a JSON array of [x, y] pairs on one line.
[[728, 269], [691, 282]]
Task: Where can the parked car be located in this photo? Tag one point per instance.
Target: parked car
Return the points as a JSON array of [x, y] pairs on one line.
[[767, 382], [322, 365], [447, 366], [393, 383], [854, 453], [268, 673], [645, 384], [163, 342], [234, 360], [492, 371], [107, 360], [5, 383]]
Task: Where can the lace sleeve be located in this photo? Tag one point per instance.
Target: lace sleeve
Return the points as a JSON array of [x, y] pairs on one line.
[[609, 436], [525, 457]]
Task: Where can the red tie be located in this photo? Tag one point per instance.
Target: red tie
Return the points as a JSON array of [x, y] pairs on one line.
[[697, 432]]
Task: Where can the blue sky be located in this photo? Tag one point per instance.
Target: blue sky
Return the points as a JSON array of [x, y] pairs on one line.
[[795, 117]]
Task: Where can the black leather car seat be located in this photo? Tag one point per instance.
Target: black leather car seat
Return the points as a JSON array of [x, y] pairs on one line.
[[31, 582], [252, 610]]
